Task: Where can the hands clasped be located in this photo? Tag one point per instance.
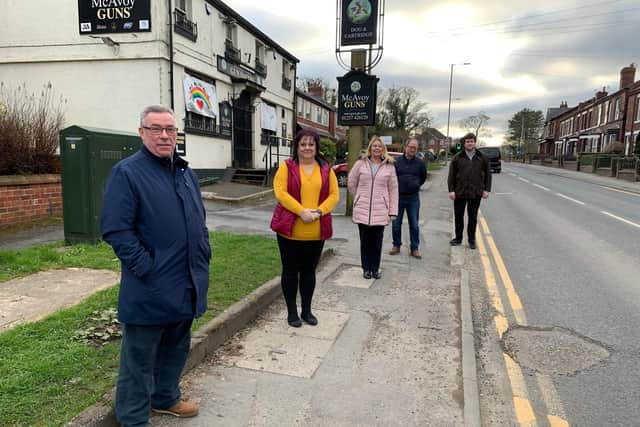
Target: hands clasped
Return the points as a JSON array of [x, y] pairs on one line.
[[309, 215]]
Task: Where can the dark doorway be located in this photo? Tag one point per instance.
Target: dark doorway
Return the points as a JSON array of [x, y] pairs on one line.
[[242, 131]]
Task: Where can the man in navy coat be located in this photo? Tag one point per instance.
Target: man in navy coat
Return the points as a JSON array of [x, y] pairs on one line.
[[154, 219]]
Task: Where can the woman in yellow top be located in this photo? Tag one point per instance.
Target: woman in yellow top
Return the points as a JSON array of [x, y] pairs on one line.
[[307, 191]]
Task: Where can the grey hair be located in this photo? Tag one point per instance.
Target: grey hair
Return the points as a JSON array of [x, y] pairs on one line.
[[154, 109], [411, 139]]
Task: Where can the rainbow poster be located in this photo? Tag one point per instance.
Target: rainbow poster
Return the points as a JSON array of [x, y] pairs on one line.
[[200, 97]]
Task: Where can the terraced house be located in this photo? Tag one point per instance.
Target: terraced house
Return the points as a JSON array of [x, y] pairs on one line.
[[592, 125], [229, 83]]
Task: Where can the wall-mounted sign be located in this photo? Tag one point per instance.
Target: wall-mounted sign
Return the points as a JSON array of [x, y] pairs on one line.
[[225, 119], [114, 16], [181, 145], [234, 70], [357, 96], [359, 22]]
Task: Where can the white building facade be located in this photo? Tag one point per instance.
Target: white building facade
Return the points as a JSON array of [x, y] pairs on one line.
[[227, 81]]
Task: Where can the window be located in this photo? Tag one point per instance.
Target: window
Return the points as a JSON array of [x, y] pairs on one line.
[[282, 113], [286, 74], [318, 114], [230, 32], [637, 108], [307, 110], [284, 134], [300, 107], [269, 137], [260, 67], [184, 6], [325, 118], [183, 24], [617, 112], [231, 52]]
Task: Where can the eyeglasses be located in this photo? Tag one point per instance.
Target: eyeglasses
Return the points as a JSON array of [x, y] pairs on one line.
[[157, 130]]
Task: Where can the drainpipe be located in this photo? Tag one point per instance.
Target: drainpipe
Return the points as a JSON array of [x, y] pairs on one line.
[[295, 104], [171, 95]]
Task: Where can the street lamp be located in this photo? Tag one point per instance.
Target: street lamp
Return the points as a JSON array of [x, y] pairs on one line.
[[446, 152]]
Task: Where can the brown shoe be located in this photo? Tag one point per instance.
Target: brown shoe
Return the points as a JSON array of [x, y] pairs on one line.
[[394, 250], [182, 409], [416, 254]]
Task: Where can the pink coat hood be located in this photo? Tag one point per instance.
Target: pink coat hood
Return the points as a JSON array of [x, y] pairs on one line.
[[375, 197]]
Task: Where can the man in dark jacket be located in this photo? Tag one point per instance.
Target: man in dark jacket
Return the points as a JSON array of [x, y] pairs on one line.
[[469, 182], [154, 219], [412, 173]]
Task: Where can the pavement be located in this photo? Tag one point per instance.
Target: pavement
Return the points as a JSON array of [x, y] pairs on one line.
[[393, 351]]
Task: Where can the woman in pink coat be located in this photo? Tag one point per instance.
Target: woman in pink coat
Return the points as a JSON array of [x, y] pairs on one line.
[[374, 186]]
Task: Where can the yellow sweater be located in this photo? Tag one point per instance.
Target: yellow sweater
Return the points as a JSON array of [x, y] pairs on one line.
[[309, 195]]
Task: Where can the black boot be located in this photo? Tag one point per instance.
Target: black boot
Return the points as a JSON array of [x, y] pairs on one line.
[[308, 317], [294, 320]]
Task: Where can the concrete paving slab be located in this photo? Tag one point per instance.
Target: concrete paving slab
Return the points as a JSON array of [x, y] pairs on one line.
[[276, 347], [349, 275], [330, 324], [33, 297]]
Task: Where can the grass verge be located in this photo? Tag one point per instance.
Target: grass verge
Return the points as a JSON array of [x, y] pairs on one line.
[[46, 377], [434, 166]]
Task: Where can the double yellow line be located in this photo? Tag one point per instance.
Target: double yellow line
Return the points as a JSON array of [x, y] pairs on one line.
[[524, 411]]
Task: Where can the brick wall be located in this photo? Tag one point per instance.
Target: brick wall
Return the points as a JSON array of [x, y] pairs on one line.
[[25, 199]]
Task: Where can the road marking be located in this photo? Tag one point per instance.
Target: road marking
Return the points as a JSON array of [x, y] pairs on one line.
[[541, 187], [523, 179], [512, 295], [502, 324], [620, 191], [626, 221], [513, 174], [569, 198], [557, 421], [521, 403]]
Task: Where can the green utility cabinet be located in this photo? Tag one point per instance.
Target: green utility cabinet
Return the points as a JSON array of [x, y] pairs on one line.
[[87, 156]]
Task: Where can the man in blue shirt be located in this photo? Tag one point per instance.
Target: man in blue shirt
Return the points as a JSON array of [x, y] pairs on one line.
[[154, 219], [412, 173]]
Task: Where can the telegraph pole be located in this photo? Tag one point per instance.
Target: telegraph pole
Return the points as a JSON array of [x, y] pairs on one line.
[[521, 134]]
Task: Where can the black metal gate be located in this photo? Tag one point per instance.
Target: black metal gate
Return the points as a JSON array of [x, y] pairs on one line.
[[243, 131]]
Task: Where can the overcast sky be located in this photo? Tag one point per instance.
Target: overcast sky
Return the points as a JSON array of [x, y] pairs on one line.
[[523, 53]]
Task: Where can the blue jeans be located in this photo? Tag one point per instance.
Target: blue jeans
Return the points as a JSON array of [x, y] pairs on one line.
[[410, 203], [151, 361]]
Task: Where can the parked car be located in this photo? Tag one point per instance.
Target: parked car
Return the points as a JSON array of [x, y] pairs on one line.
[[342, 173], [493, 154]]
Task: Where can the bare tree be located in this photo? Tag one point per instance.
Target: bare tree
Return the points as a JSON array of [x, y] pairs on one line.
[[476, 124], [401, 109]]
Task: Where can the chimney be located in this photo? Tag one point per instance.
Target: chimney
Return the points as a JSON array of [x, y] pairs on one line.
[[627, 76], [315, 89], [601, 93], [563, 104]]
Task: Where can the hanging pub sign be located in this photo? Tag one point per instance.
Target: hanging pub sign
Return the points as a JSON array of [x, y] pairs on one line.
[[114, 16], [359, 22], [357, 93]]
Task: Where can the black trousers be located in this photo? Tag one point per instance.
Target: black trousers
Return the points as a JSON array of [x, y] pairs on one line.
[[370, 246], [299, 261], [472, 206]]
